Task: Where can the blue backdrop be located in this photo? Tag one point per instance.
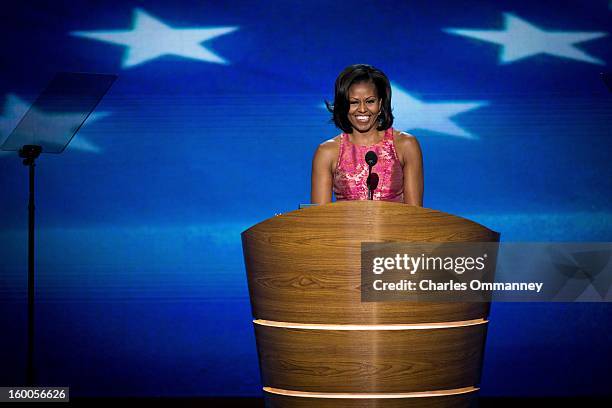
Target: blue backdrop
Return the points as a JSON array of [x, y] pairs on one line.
[[211, 128]]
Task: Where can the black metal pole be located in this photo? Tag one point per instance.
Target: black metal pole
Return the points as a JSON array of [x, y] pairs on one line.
[[370, 195], [29, 153], [30, 374]]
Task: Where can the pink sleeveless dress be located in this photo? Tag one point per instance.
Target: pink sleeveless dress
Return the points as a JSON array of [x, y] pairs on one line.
[[351, 173]]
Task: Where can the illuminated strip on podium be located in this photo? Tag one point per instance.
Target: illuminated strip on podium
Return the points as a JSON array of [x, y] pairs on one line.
[[365, 395], [414, 326]]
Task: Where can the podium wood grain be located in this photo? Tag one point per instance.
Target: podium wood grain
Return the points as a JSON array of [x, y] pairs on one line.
[[303, 268], [381, 361]]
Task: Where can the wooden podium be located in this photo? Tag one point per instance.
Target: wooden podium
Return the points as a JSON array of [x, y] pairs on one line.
[[320, 346]]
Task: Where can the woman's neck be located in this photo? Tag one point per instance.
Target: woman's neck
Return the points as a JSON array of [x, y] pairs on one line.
[[368, 138]]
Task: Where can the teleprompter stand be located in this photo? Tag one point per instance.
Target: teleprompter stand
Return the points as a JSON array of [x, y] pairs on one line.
[[48, 127], [30, 153]]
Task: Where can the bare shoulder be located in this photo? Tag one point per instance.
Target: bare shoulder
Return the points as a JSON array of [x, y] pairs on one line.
[[329, 148], [404, 138], [406, 144]]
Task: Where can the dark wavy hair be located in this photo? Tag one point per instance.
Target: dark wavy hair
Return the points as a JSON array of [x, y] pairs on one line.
[[352, 75]]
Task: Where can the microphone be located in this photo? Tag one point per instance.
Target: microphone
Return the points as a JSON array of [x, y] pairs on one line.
[[371, 159], [372, 184]]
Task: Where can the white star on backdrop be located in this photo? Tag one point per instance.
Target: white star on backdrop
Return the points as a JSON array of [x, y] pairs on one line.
[[411, 113], [150, 38], [520, 39], [15, 108]]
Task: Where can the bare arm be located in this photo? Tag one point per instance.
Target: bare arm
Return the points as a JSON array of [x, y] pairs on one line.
[[321, 178], [413, 169]]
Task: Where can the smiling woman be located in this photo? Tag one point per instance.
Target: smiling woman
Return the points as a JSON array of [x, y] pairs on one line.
[[362, 110]]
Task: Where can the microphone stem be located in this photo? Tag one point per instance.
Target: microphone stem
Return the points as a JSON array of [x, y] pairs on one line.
[[370, 192]]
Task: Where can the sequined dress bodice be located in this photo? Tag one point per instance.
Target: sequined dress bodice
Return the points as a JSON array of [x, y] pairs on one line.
[[351, 173]]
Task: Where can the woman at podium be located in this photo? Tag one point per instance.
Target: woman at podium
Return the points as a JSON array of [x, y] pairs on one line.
[[369, 159]]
